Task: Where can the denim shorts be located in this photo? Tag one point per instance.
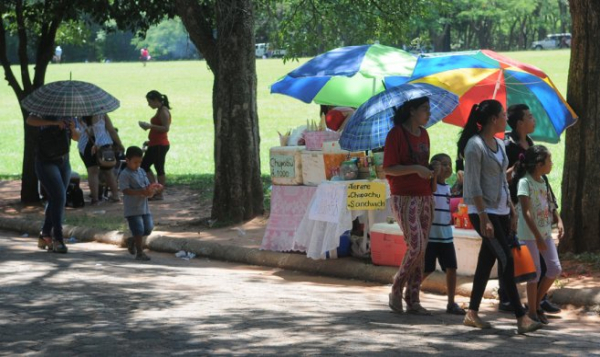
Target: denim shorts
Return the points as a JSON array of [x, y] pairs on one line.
[[141, 225]]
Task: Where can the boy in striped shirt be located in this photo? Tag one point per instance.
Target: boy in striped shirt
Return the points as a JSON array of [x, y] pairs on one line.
[[441, 244]]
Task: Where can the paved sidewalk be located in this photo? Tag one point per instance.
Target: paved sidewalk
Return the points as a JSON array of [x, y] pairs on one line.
[[246, 252]]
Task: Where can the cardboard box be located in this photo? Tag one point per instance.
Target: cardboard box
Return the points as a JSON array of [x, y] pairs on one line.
[[314, 139], [286, 165], [318, 166]]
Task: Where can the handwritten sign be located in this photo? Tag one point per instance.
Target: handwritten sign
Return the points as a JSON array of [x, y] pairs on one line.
[[282, 166], [366, 196], [329, 203]]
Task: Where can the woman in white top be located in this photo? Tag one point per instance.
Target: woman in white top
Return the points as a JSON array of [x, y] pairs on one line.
[[491, 211], [98, 131]]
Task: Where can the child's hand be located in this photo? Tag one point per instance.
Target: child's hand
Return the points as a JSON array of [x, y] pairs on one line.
[[561, 229], [541, 244], [149, 191], [436, 166]]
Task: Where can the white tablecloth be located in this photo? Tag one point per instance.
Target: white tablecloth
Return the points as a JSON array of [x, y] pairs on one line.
[[328, 217], [288, 206]]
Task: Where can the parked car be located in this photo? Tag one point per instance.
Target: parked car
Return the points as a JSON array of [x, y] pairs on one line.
[[264, 50], [552, 41]]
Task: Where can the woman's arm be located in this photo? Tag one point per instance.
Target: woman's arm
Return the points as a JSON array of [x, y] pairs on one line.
[[113, 133], [401, 170], [75, 133], [34, 120]]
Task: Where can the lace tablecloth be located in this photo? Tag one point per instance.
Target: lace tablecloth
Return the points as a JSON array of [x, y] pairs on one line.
[[328, 217], [288, 205]]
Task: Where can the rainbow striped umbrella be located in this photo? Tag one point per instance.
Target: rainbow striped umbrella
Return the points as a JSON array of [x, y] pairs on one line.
[[347, 76], [478, 75]]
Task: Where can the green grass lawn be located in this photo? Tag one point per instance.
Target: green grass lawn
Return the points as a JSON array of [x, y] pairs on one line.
[[189, 88]]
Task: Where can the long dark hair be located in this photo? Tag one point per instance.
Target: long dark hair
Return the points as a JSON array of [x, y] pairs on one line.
[[536, 154], [156, 95], [480, 116], [515, 113], [402, 114]]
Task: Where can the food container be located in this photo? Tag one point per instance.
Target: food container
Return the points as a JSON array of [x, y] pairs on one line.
[[349, 170]]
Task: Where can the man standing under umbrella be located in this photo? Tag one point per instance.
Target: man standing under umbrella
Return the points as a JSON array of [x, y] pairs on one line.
[[53, 169]]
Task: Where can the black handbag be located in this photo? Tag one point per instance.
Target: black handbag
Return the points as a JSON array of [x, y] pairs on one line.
[[106, 157], [53, 143]]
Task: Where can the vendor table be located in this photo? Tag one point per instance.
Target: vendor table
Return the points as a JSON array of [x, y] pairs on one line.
[[328, 217], [288, 205]]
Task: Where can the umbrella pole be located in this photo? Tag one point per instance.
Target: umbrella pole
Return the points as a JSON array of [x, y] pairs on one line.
[[500, 72]]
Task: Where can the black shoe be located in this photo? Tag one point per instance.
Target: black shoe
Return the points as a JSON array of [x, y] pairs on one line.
[[59, 246], [505, 307], [549, 307]]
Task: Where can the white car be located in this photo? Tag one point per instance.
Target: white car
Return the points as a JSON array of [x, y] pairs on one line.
[[552, 41]]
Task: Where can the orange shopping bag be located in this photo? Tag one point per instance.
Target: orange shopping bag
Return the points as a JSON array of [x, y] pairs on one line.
[[524, 267]]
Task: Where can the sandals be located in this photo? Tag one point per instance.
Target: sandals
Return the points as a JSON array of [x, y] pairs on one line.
[[45, 242], [58, 246], [454, 309], [542, 317], [130, 245], [395, 303], [417, 309], [476, 321], [532, 326], [141, 256]]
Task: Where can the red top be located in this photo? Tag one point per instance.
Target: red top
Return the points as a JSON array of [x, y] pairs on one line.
[[397, 152], [155, 137], [334, 119]]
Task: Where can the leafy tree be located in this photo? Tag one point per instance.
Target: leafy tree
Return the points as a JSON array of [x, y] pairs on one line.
[[309, 27], [36, 25], [581, 174], [223, 32], [167, 40]]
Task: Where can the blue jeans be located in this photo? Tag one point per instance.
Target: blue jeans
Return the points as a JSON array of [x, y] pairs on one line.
[[141, 225], [54, 177]]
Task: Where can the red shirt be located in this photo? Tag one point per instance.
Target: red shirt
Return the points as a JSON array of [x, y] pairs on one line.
[[397, 152], [155, 137]]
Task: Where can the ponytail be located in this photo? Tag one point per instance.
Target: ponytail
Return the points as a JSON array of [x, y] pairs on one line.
[[528, 162], [479, 117], [162, 98]]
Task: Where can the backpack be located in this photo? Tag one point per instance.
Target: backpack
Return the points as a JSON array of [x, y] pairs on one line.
[[74, 196]]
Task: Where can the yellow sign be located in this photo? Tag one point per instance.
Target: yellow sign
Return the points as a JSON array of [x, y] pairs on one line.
[[366, 196]]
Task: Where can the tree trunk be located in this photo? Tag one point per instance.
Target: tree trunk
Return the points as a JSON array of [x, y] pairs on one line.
[[29, 180], [238, 192], [238, 188], [580, 193]]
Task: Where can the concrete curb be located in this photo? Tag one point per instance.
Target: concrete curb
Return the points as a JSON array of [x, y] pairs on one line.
[[347, 268]]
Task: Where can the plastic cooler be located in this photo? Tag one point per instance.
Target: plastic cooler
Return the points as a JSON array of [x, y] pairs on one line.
[[387, 244]]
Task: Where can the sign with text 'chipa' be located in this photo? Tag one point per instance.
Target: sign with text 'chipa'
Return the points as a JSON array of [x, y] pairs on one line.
[[366, 196], [282, 166]]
